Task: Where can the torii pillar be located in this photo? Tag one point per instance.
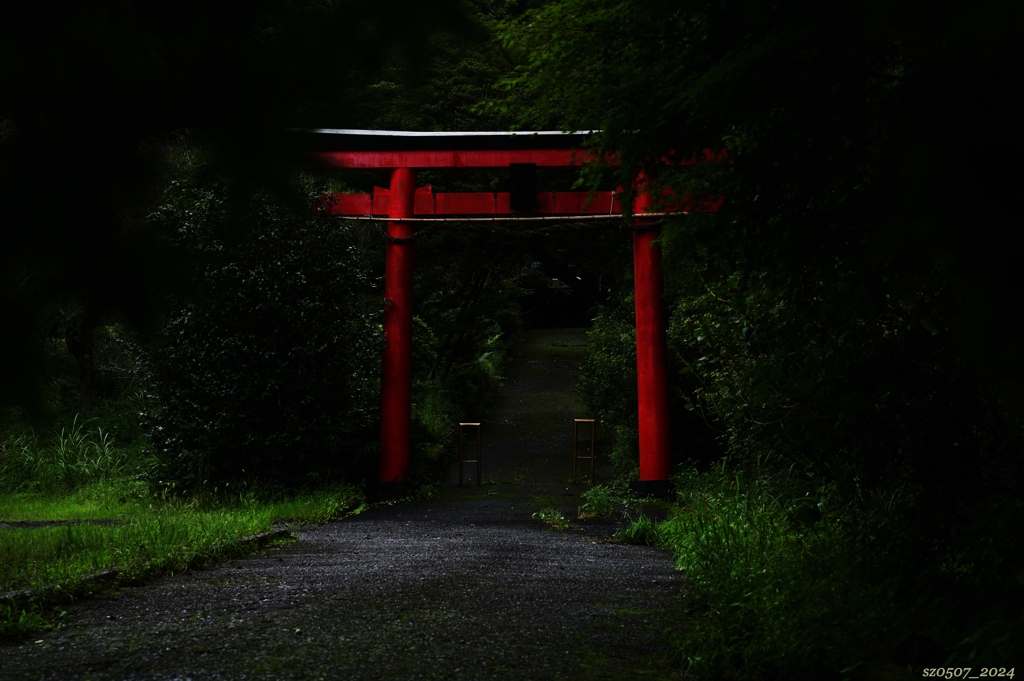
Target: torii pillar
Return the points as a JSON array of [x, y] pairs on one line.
[[651, 352], [396, 384]]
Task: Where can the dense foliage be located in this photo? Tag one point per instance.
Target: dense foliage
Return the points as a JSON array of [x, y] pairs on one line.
[[273, 369], [270, 370], [843, 319]]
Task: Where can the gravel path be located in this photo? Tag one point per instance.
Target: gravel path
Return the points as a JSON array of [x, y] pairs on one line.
[[467, 586]]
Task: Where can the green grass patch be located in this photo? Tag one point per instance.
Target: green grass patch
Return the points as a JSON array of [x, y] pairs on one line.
[[318, 507], [167, 538], [642, 531], [553, 518], [108, 499], [18, 622], [600, 501], [144, 535]]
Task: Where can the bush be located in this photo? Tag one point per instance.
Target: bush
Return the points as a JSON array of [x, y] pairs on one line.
[[273, 371], [607, 382]]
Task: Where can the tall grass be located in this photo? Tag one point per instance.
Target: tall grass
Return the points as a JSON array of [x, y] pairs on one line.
[[642, 530], [758, 577], [729, 528], [70, 458], [786, 583]]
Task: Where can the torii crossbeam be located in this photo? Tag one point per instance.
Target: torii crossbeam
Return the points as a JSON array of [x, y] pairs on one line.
[[404, 206]]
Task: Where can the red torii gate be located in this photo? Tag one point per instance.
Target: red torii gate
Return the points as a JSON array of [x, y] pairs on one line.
[[403, 205]]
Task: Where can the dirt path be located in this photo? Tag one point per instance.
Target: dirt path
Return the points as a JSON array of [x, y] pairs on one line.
[[529, 439], [468, 586]]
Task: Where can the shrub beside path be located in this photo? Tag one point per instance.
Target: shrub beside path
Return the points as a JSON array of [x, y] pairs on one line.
[[465, 586]]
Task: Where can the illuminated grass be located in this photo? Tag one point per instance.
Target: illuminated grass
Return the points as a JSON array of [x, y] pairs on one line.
[[165, 539], [553, 518], [140, 536]]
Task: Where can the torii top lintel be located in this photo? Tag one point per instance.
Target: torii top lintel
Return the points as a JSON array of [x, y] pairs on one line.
[[329, 147], [386, 149], [390, 149]]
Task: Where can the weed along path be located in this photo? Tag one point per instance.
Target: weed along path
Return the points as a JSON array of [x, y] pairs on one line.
[[465, 586]]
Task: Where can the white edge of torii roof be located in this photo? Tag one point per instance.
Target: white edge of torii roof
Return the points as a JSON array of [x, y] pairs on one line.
[[410, 133]]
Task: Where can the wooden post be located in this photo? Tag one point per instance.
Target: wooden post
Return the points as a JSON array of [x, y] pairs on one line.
[[651, 350], [396, 385], [593, 445], [462, 455]]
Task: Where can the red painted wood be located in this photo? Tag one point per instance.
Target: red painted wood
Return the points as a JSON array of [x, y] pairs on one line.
[[478, 158], [380, 201], [651, 351], [550, 158], [564, 203], [570, 202], [545, 203], [424, 204], [427, 203], [465, 203], [601, 203], [404, 200], [345, 204], [503, 205], [396, 384]]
